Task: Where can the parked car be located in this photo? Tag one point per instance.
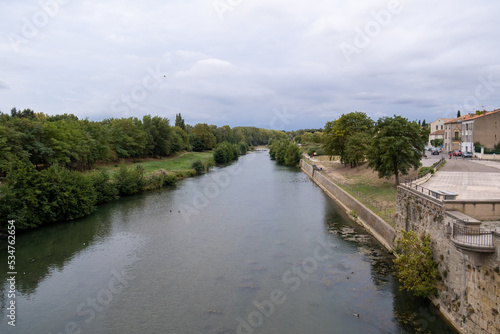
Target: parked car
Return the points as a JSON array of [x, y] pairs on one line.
[[457, 153], [467, 155], [435, 152]]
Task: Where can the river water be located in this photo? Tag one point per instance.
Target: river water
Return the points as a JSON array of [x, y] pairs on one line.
[[250, 248]]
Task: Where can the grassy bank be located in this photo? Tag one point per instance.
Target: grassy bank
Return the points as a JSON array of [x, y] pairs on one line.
[[380, 198], [180, 164], [379, 195]]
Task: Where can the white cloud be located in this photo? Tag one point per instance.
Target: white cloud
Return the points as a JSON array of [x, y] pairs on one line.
[[262, 55]]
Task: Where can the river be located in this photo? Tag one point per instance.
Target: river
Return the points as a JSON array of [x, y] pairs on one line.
[[250, 248]]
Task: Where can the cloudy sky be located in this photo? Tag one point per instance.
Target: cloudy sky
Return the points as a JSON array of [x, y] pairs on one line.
[[273, 63]]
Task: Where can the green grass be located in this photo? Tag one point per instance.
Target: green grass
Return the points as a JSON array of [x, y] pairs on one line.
[[379, 197], [177, 163]]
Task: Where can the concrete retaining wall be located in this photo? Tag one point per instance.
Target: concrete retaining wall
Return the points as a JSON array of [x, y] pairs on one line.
[[384, 233], [479, 209]]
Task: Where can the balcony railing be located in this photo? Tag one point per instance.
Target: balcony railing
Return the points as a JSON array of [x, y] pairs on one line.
[[474, 239]]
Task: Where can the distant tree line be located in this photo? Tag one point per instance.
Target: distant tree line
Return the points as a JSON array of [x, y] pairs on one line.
[[42, 158], [78, 144]]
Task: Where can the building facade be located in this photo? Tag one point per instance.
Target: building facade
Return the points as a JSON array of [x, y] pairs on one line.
[[463, 132], [437, 129], [487, 129]]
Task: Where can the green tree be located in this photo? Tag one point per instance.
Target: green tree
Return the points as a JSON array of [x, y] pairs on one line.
[[202, 138], [416, 268], [180, 139], [338, 132], [128, 137], [158, 136], [129, 180], [396, 147], [357, 148], [285, 152], [458, 113], [226, 152], [198, 167], [179, 121], [437, 142], [292, 154]]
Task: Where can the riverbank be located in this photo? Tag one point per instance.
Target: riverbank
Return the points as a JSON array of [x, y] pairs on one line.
[[380, 229], [34, 198]]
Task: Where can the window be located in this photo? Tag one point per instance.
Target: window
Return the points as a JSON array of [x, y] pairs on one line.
[[441, 127], [436, 127], [456, 135]]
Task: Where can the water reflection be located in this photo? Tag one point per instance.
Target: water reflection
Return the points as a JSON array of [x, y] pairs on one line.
[[269, 228]]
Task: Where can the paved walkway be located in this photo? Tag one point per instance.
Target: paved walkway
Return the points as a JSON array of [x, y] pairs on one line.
[[470, 179]]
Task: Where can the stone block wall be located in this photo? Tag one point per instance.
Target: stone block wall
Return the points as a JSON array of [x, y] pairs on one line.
[[468, 293]]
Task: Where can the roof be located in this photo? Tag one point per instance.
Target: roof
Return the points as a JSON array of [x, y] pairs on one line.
[[437, 133], [469, 117]]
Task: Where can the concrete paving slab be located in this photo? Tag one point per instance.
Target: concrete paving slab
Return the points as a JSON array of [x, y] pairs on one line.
[[468, 185]]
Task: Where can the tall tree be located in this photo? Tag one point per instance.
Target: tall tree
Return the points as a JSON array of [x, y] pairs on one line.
[[179, 121], [338, 132], [396, 147], [458, 114], [202, 138]]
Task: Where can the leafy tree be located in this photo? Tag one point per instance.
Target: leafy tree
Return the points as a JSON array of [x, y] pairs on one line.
[[198, 167], [158, 136], [223, 134], [34, 198], [26, 113], [179, 121], [416, 268], [292, 154], [357, 148], [128, 137], [338, 132], [437, 142], [105, 189], [285, 152], [129, 180], [458, 113], [397, 146], [180, 139], [226, 152], [202, 138]]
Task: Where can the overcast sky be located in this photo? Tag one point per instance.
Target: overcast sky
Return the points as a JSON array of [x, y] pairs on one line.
[[273, 64]]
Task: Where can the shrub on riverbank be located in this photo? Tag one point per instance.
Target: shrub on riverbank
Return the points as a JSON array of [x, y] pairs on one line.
[[285, 152], [34, 198], [226, 152]]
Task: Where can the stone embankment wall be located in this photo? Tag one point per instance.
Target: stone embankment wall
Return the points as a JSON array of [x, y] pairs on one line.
[[468, 293], [384, 233]]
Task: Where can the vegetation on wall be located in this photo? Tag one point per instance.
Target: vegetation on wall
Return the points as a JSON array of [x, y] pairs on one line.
[[416, 268]]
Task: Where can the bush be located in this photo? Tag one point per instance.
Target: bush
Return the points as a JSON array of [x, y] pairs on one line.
[[424, 170], [285, 152], [104, 187], [226, 152], [159, 179], [33, 198], [129, 180], [416, 268], [198, 167]]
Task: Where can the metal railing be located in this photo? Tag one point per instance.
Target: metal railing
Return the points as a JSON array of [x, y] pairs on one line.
[[474, 237], [409, 182]]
